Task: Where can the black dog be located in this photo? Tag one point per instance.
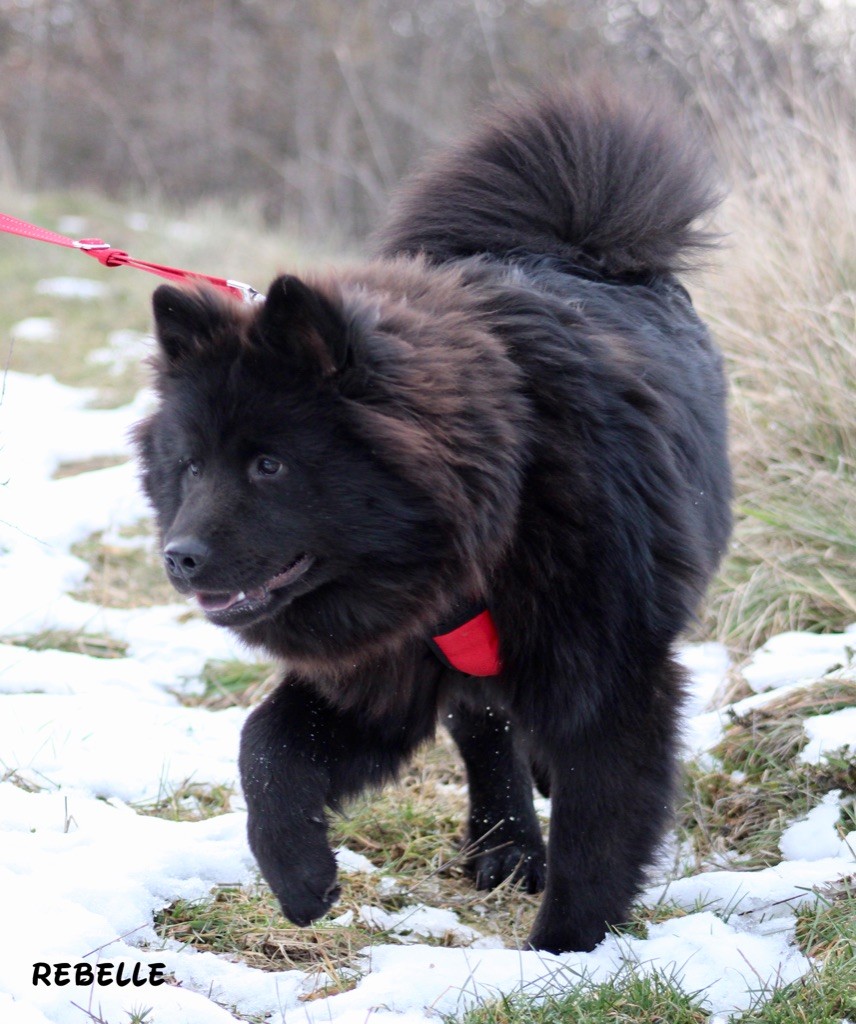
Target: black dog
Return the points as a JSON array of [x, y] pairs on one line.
[[482, 477]]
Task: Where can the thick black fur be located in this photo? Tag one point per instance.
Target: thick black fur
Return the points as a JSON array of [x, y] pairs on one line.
[[514, 402]]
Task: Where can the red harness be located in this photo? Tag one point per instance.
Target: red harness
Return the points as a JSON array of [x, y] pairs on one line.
[[472, 647]]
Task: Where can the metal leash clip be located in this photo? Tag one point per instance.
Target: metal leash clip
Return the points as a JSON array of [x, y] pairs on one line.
[[90, 243], [248, 293]]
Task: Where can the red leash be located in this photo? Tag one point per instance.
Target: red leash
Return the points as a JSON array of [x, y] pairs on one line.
[[110, 257], [472, 646]]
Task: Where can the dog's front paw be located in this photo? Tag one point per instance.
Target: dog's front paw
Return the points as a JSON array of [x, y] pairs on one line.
[[303, 900], [300, 868]]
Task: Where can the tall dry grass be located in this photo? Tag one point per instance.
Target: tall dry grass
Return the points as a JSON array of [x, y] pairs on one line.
[[782, 301]]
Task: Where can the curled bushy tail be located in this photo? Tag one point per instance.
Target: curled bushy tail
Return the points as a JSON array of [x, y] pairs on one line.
[[586, 175]]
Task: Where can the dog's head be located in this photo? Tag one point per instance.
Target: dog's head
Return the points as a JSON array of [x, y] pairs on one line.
[[312, 485]]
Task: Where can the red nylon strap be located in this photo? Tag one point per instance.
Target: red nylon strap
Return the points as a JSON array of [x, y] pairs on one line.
[[110, 257], [473, 647], [13, 226]]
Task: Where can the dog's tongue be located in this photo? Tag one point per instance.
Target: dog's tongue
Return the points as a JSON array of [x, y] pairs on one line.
[[220, 602], [216, 602]]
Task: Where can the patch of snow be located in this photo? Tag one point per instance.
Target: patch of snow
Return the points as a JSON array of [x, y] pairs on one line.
[[79, 741], [702, 732], [34, 328], [413, 922], [814, 836], [136, 220], [353, 863], [182, 231], [543, 806], [708, 665], [83, 288], [722, 962], [123, 349], [72, 224], [767, 892], [790, 657], [828, 734]]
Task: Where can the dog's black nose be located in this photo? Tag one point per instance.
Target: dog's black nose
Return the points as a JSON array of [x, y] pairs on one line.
[[184, 557]]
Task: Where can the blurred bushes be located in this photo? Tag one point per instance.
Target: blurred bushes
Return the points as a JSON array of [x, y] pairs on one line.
[[315, 109]]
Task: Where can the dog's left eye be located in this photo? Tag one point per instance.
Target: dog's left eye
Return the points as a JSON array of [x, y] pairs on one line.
[[267, 466]]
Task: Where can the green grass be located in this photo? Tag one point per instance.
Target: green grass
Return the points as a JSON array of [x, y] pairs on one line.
[[825, 931], [229, 684], [629, 998], [824, 997], [414, 832]]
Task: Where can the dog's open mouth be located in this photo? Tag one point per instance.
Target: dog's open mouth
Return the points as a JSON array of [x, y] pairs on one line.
[[215, 603]]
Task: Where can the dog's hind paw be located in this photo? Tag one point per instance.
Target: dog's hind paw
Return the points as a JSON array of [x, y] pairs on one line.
[[525, 868]]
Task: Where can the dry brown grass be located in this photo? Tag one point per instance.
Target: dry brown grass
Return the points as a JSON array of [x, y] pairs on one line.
[[412, 832], [123, 576], [783, 304], [772, 735], [93, 645], [758, 786]]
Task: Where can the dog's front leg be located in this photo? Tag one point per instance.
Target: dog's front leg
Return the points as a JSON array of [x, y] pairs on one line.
[[285, 774], [299, 755]]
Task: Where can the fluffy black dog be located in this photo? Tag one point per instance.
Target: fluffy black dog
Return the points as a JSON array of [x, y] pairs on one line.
[[513, 407]]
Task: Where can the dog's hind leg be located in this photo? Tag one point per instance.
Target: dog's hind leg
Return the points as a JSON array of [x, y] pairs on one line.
[[504, 836], [612, 784], [301, 754]]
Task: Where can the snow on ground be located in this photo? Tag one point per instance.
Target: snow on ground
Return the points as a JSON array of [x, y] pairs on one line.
[[34, 328], [82, 874], [124, 349], [83, 288]]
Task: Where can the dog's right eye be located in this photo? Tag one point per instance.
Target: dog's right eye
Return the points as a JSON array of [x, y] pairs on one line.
[[191, 466]]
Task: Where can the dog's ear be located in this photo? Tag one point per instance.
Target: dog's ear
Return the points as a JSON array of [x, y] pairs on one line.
[[304, 326], [184, 317]]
